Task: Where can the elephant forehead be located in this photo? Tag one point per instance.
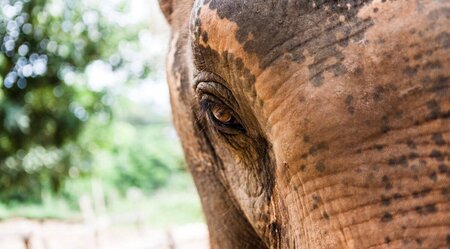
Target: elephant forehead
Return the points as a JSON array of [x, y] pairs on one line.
[[214, 41], [293, 50], [270, 29], [258, 46]]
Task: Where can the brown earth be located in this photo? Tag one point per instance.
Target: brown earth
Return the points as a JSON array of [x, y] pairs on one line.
[[20, 233]]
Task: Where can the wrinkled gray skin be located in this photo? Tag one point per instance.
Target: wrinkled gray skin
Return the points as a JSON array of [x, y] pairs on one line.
[[315, 124]]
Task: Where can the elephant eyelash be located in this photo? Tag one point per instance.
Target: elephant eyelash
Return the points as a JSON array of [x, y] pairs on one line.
[[205, 106]]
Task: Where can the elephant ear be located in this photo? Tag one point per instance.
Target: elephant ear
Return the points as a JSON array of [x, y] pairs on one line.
[[167, 8]]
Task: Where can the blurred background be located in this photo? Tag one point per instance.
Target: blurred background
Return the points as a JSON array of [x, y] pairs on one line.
[[88, 155]]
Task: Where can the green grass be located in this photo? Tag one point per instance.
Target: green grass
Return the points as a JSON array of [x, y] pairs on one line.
[[167, 208], [54, 209], [176, 203]]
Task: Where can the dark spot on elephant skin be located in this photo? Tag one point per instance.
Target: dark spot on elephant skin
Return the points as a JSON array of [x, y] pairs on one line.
[[410, 71], [205, 37], [430, 208], [325, 215], [387, 240], [427, 209], [434, 109], [419, 241], [432, 65], [421, 194], [410, 143], [439, 13], [302, 167], [437, 155], [443, 39], [348, 103], [313, 150], [316, 200], [406, 241], [385, 201], [320, 166], [413, 155], [387, 217], [385, 124], [378, 93], [442, 168], [433, 176], [306, 138], [359, 71], [395, 161], [279, 28], [379, 147], [440, 85], [438, 139], [386, 182], [418, 56]]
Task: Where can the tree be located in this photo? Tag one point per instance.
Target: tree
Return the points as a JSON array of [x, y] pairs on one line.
[[57, 122], [44, 98]]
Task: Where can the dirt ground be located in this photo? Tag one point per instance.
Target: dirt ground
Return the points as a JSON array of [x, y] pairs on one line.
[[29, 234]]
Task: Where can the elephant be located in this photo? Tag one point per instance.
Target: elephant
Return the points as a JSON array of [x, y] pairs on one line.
[[315, 123]]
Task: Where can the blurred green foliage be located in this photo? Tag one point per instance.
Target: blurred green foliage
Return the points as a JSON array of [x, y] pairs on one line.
[[54, 125]]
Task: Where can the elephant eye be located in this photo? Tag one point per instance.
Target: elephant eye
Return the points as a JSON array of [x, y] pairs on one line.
[[222, 117], [222, 114]]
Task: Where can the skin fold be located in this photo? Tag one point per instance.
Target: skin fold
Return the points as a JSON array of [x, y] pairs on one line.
[[315, 124]]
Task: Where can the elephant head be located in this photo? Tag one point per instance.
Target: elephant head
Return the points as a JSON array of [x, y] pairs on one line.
[[315, 124]]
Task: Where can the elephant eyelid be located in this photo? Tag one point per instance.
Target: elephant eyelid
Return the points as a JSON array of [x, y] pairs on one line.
[[211, 88], [204, 76]]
